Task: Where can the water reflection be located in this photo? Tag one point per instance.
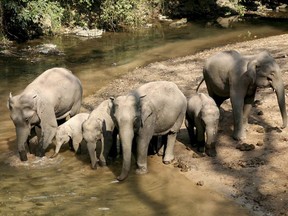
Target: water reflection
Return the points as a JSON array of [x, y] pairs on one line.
[[66, 185]]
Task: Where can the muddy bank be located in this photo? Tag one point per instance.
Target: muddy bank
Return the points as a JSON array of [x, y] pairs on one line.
[[256, 179]]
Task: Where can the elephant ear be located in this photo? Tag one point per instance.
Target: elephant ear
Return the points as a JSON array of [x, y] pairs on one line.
[[9, 102], [45, 112], [68, 130], [252, 68], [146, 109]]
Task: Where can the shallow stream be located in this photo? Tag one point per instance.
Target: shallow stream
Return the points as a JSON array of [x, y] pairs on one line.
[[66, 185]]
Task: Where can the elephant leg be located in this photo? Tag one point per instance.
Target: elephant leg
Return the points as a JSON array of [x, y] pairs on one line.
[[162, 143], [71, 147], [169, 151], [33, 139], [114, 151], [237, 108], [152, 149], [57, 149], [247, 108], [142, 151], [91, 146], [107, 142], [45, 140], [190, 128], [79, 151], [200, 134]]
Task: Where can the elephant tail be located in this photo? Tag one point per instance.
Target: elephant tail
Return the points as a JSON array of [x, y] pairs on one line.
[[199, 84]]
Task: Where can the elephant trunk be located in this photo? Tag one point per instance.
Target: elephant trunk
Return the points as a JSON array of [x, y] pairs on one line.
[[126, 136], [280, 92], [22, 134], [210, 148]]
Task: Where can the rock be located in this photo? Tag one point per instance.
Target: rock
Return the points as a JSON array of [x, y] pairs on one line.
[[178, 23], [260, 143], [226, 22], [94, 33], [260, 130], [260, 113], [245, 147], [164, 18], [200, 183], [48, 49], [257, 103]]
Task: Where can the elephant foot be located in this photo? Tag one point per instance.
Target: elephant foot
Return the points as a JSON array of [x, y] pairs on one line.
[[54, 155], [200, 149], [40, 153], [122, 177], [78, 151], [238, 136], [141, 171], [167, 162], [23, 156], [102, 163], [94, 166], [211, 152]]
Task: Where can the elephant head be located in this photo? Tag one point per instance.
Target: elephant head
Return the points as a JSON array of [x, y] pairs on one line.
[[26, 110], [24, 115], [129, 115], [210, 117], [265, 72], [63, 135]]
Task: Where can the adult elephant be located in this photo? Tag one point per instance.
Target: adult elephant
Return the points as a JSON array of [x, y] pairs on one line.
[[155, 108], [228, 74], [52, 96]]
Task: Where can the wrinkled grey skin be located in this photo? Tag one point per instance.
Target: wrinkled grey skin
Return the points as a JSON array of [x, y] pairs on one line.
[[231, 75], [99, 127], [203, 114], [52, 96], [155, 108], [70, 130]]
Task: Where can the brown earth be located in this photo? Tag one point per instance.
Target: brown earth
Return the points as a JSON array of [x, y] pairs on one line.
[[256, 179]]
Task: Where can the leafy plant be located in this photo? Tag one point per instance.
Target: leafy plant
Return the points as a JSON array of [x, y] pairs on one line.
[[25, 19], [116, 14]]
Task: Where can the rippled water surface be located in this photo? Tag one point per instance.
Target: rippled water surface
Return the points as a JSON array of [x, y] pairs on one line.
[[66, 185]]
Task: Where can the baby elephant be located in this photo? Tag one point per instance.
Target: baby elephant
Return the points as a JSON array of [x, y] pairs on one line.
[[72, 129], [203, 114], [99, 126]]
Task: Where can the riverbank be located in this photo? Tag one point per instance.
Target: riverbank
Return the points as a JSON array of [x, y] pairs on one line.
[[256, 179]]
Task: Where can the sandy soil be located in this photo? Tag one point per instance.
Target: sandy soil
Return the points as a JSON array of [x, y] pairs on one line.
[[256, 179]]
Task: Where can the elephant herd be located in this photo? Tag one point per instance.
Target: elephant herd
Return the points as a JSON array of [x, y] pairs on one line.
[[154, 109]]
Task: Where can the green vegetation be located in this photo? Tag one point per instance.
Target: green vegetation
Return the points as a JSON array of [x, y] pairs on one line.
[[21, 20]]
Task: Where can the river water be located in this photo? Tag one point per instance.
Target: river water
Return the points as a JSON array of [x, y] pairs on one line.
[[66, 185]]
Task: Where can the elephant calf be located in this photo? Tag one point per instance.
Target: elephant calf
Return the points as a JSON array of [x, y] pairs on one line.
[[203, 114], [52, 96], [100, 126], [70, 130], [154, 109]]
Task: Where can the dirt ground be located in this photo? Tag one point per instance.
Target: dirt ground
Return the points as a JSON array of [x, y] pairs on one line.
[[256, 179]]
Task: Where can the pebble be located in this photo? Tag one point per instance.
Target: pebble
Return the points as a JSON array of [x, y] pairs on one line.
[[200, 183], [260, 143]]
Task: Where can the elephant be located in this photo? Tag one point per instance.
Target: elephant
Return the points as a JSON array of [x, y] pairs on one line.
[[229, 74], [155, 108], [100, 126], [203, 114], [53, 95], [70, 130]]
